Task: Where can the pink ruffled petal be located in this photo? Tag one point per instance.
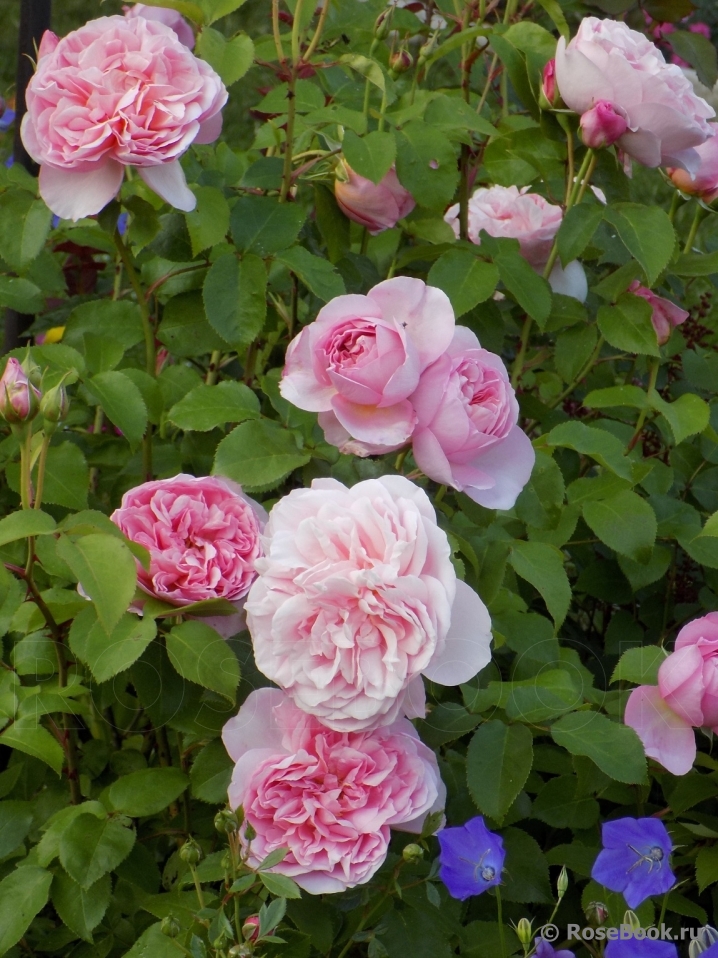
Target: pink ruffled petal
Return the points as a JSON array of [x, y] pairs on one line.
[[426, 311], [468, 644], [255, 726], [665, 736], [390, 426], [497, 475], [168, 181], [209, 129], [680, 680], [72, 195]]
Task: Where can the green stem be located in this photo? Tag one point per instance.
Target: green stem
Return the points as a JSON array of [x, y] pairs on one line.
[[25, 459], [149, 333], [275, 31], [500, 920], [487, 85], [697, 219], [382, 112], [197, 885], [296, 27], [664, 906], [585, 370], [367, 83], [289, 141], [213, 370], [41, 464], [675, 203], [309, 53], [518, 365], [576, 195], [653, 376]]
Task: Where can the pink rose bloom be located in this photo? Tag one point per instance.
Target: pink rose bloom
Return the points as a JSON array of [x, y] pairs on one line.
[[703, 183], [607, 61], [466, 434], [331, 798], [378, 206], [171, 18], [360, 360], [117, 92], [356, 598], [601, 126], [686, 697], [666, 315], [202, 534]]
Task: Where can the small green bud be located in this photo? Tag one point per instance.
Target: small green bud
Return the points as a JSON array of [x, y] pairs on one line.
[[524, 932], [381, 27], [227, 861], [400, 62], [562, 883], [239, 951], [632, 921], [54, 405], [170, 926], [596, 913], [226, 822], [412, 854], [249, 832], [190, 852]]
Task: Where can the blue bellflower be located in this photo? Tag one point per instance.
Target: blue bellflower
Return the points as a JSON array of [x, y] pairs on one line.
[[545, 949], [471, 858], [635, 859], [641, 948]]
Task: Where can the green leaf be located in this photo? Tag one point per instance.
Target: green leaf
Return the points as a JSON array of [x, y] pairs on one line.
[[597, 443], [15, 821], [365, 67], [26, 522], [573, 349], [148, 791], [688, 415], [541, 564], [122, 402], [90, 847], [202, 656], [426, 165], [465, 279], [631, 396], [81, 909], [234, 296], [263, 225], [553, 9], [526, 877], [498, 762], [216, 9], [24, 225], [185, 7], [152, 943], [532, 292], [413, 932], [185, 330], [102, 351], [108, 655], [280, 885], [616, 749], [647, 233], [211, 773], [696, 264], [577, 229], [206, 407], [706, 867], [370, 156], [67, 477], [230, 58], [697, 50], [625, 522], [21, 295], [319, 276], [627, 325], [23, 893], [640, 665], [258, 455], [561, 805], [208, 223], [107, 571], [550, 694], [32, 739]]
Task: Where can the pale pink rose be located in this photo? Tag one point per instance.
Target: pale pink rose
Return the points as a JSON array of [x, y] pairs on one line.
[[607, 61], [361, 359], [356, 598], [117, 92], [601, 126], [378, 206], [467, 435], [703, 183], [203, 536], [330, 798], [666, 737], [171, 18], [666, 315]]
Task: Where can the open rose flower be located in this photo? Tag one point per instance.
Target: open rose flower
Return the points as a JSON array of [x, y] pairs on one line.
[[169, 17], [466, 434], [608, 63], [117, 92], [665, 316], [511, 213], [686, 697], [378, 206], [202, 534], [360, 360], [356, 598], [330, 798], [703, 182]]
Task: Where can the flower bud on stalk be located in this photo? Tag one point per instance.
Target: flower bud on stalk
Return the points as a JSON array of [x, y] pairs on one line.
[[54, 407], [632, 921], [381, 27], [412, 854], [19, 398], [562, 883], [523, 931], [226, 821], [602, 125], [596, 913], [250, 928], [706, 937], [190, 853], [170, 926], [549, 96], [400, 62]]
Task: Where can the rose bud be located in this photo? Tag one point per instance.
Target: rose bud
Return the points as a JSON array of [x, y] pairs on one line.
[[250, 928], [549, 97], [19, 399], [377, 206], [400, 62], [602, 125], [55, 405]]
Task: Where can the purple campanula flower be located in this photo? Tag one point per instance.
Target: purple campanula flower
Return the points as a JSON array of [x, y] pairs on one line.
[[545, 949], [635, 859], [641, 948], [6, 120], [471, 858]]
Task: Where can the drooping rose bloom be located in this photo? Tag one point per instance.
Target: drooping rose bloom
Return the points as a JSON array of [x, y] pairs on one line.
[[511, 213], [171, 18], [357, 597], [607, 61], [331, 798], [117, 92], [686, 697], [203, 536], [703, 183], [378, 206], [665, 316], [360, 360], [467, 435]]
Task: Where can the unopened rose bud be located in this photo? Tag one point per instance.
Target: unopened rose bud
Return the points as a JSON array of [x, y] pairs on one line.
[[377, 206], [54, 405], [400, 62], [601, 126], [250, 928], [19, 399], [549, 96], [190, 852], [596, 913], [523, 930], [412, 854], [170, 926], [226, 822], [249, 832], [240, 951], [381, 27], [562, 883]]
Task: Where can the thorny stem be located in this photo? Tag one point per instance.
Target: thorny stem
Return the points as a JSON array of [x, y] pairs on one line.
[[213, 370]]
